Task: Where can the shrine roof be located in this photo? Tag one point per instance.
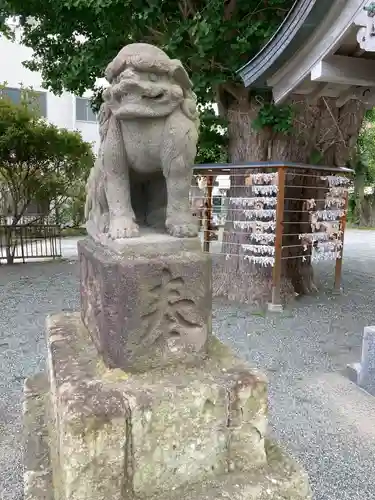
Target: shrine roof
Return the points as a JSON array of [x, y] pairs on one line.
[[322, 49], [299, 24]]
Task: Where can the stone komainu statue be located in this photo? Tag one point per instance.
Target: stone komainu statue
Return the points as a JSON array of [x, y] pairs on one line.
[[148, 126]]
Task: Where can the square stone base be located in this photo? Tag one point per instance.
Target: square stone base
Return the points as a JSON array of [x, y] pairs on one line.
[[147, 302], [176, 433]]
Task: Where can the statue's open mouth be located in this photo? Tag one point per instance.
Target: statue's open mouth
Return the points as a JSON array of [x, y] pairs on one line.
[[132, 99], [127, 98], [159, 95], [154, 96], [128, 92]]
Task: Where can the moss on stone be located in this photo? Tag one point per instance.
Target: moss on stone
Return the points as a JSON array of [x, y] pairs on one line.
[[115, 375]]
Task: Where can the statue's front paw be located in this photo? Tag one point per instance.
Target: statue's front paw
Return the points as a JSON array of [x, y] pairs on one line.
[[182, 229], [122, 227]]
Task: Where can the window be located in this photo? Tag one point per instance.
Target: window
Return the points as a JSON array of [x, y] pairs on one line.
[[84, 113], [40, 101]]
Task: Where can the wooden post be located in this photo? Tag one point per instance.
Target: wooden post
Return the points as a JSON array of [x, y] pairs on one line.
[[208, 214], [342, 226], [276, 278]]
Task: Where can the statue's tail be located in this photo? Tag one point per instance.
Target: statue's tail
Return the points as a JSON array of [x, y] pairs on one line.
[[88, 202], [91, 191], [190, 109], [87, 208]]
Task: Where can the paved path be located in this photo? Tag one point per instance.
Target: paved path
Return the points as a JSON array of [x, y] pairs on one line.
[[319, 416], [69, 247]]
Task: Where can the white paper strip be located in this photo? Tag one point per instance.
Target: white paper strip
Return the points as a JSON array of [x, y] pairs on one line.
[[259, 249], [339, 192], [329, 214], [334, 202], [322, 256], [263, 238], [265, 190], [329, 246], [264, 178], [263, 261], [259, 214], [336, 180], [256, 226], [317, 237], [256, 202]]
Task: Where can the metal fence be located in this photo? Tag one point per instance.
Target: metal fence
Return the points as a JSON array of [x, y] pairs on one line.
[[23, 242]]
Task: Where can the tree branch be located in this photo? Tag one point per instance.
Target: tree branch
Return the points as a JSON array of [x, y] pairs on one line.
[[18, 215], [229, 8], [334, 121], [156, 35], [236, 91]]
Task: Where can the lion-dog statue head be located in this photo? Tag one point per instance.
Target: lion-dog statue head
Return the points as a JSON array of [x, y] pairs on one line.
[[145, 82]]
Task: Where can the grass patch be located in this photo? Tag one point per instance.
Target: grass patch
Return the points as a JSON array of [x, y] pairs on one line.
[[362, 228], [70, 232], [262, 314]]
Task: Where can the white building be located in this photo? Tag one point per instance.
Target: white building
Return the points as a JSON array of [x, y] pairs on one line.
[[65, 111]]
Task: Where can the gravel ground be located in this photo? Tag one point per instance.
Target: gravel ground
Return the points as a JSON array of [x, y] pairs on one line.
[[320, 417], [317, 416], [28, 292]]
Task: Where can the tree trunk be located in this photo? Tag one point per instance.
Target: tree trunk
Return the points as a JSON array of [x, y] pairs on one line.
[[10, 246], [319, 129], [360, 211]]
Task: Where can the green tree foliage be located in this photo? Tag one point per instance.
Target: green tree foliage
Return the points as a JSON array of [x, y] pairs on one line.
[[362, 206], [366, 147], [71, 214], [278, 119], [212, 146], [39, 163], [73, 41]]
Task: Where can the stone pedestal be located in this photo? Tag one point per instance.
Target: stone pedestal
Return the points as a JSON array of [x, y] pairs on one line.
[[177, 432], [147, 301], [141, 401]]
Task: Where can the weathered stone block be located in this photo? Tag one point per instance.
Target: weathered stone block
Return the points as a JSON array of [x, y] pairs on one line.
[[147, 302], [38, 477], [88, 424], [123, 435], [280, 478], [366, 376]]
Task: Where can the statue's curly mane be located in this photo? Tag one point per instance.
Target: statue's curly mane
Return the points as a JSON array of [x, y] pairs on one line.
[[103, 120], [189, 107]]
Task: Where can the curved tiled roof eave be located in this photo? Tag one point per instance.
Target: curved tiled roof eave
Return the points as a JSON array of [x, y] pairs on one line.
[[300, 22]]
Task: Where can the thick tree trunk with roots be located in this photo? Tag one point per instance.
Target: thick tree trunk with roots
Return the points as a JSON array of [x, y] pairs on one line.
[[320, 128]]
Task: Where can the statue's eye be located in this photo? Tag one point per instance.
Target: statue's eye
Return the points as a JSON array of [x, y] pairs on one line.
[[153, 77]]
